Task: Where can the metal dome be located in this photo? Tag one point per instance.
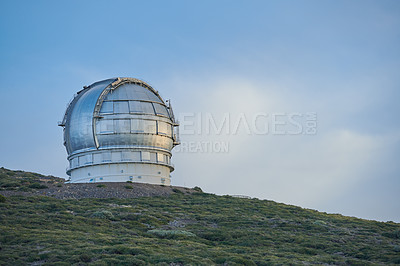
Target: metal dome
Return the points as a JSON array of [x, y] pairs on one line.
[[119, 130]]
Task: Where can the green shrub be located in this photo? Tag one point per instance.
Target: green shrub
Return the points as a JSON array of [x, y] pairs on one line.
[[121, 249], [239, 260], [170, 233], [37, 186], [52, 207], [2, 198], [216, 235], [319, 222], [101, 185], [130, 217], [85, 258], [177, 191], [393, 234], [128, 187], [3, 175], [395, 260], [220, 260], [136, 261], [198, 189], [10, 184], [103, 214]]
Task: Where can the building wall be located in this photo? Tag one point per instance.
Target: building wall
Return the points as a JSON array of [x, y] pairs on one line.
[[121, 165], [122, 172]]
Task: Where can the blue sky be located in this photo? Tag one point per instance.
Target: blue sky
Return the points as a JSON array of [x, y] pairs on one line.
[[339, 59]]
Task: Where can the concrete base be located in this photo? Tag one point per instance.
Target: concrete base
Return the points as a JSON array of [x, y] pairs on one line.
[[122, 172]]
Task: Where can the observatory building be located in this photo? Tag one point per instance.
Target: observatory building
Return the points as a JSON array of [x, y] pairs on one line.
[[119, 130]]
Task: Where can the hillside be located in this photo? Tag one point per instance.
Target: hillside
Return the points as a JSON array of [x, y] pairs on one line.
[[175, 226], [33, 184]]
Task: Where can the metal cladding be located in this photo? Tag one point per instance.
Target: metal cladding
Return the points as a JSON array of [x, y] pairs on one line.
[[119, 130]]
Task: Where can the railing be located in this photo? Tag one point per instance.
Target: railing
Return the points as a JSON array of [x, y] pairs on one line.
[[69, 169]]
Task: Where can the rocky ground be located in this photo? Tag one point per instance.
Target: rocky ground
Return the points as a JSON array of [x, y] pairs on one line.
[[100, 190], [32, 184]]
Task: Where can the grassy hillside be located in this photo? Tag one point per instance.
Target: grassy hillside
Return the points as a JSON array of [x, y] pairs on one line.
[[181, 228]]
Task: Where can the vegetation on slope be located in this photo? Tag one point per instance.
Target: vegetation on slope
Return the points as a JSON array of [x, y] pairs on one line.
[[30, 184], [25, 181], [195, 228]]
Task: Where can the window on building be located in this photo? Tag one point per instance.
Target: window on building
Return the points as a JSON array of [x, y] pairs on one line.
[[137, 126], [126, 156], [160, 109], [104, 126], [121, 107], [160, 157], [153, 157], [88, 159], [122, 125], [97, 158], [143, 126], [164, 128], [106, 156], [150, 126], [116, 156], [107, 108], [74, 162], [135, 155], [145, 156], [81, 160], [141, 107]]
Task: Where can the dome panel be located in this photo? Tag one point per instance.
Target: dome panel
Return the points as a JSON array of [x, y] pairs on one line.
[[131, 91], [121, 107], [80, 120], [141, 107], [107, 108]]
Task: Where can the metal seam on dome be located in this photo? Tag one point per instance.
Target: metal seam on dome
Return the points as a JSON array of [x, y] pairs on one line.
[[96, 112], [138, 148]]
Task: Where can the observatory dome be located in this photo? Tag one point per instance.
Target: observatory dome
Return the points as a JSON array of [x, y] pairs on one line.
[[119, 130]]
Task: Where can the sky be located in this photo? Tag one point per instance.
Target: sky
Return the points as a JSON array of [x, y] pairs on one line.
[[309, 91]]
